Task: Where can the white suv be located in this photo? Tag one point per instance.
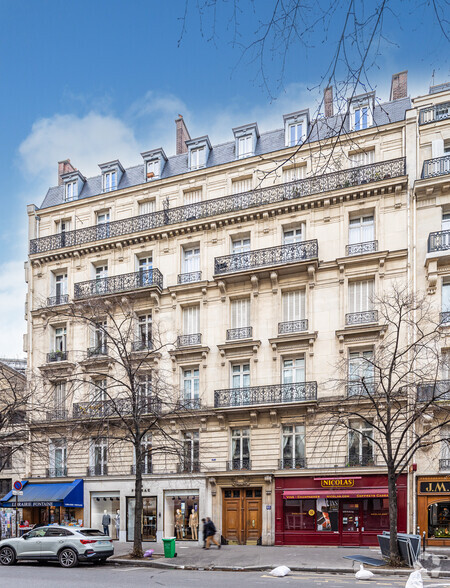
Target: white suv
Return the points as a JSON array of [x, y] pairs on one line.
[[68, 545]]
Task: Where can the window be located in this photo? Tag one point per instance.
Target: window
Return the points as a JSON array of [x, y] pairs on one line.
[[6, 458], [99, 457], [362, 158], [240, 375], [71, 191], [360, 296], [240, 449], [361, 372], [191, 259], [147, 207], [144, 393], [241, 185], [291, 174], [62, 226], [445, 365], [60, 285], [60, 400], [146, 271], [361, 117], [99, 390], [294, 370], [144, 331], [245, 146], [295, 131], [146, 454], [101, 281], [191, 320], [192, 196], [446, 296], [103, 228], [109, 181], [58, 458], [360, 444], [191, 451], [293, 446], [191, 386], [300, 514], [240, 245], [293, 305], [240, 313], [361, 229], [60, 335], [99, 339], [198, 158], [153, 168], [445, 449], [292, 235], [102, 218]]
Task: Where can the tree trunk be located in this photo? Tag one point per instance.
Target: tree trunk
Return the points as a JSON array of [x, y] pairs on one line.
[[394, 554], [138, 507]]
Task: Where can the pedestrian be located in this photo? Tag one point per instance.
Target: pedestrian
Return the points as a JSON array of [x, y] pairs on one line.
[[204, 532], [210, 532]]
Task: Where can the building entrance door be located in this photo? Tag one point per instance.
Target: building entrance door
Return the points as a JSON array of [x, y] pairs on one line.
[[351, 523], [242, 515]]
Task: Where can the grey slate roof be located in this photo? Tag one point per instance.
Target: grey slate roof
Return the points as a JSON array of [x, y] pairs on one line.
[[268, 142]]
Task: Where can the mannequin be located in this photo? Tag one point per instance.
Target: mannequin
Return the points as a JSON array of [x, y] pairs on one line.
[[117, 523], [106, 521], [193, 524], [179, 523]]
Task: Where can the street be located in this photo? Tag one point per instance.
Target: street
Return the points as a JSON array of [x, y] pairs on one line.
[[52, 576]]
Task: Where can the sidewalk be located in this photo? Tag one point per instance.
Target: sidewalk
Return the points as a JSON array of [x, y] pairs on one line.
[[249, 557]]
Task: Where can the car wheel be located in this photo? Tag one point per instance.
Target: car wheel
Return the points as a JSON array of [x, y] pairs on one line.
[[68, 558], [7, 556]]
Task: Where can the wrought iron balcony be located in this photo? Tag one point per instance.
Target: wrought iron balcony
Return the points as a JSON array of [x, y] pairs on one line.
[[94, 409], [188, 466], [57, 472], [119, 407], [361, 318], [360, 460], [239, 333], [97, 350], [122, 283], [439, 241], [273, 394], [57, 414], [444, 464], [444, 317], [268, 257], [57, 300], [189, 404], [97, 470], [292, 327], [359, 388], [55, 356], [433, 391], [227, 204], [239, 464], [142, 345], [361, 248], [189, 277], [147, 468], [188, 340], [434, 113], [438, 166], [292, 463]]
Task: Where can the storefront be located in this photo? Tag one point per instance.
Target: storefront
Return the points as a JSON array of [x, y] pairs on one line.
[[48, 503], [182, 509], [149, 518], [335, 510], [106, 503], [433, 509]]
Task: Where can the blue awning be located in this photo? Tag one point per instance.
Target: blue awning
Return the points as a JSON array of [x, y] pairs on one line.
[[68, 494]]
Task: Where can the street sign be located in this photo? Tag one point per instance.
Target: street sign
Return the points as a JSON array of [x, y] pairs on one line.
[[18, 485], [17, 492]]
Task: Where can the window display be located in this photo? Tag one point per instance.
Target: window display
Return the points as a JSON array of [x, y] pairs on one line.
[[300, 515], [149, 518], [439, 520], [376, 514], [327, 514], [185, 509]]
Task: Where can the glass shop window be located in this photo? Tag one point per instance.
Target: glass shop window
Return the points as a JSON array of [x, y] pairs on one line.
[[299, 515], [376, 514], [327, 514], [439, 520]]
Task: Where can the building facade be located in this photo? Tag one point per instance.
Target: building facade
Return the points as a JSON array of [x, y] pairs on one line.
[[256, 261]]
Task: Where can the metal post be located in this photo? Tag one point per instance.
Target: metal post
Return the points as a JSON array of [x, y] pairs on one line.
[[424, 541], [17, 518]]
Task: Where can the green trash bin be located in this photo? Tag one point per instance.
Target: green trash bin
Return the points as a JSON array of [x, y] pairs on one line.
[[169, 547]]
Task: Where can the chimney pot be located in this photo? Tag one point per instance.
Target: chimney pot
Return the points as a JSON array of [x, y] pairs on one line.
[[182, 135], [328, 101], [399, 85], [64, 167]]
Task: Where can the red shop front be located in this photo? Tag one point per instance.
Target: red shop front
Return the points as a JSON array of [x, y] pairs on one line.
[[349, 510]]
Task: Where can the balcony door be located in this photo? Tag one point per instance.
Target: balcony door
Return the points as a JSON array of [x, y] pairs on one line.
[[60, 287], [361, 229], [240, 449], [360, 371], [99, 457], [58, 458], [145, 271]]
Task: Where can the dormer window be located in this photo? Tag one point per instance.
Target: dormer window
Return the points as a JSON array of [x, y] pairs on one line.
[[198, 152], [198, 158], [153, 169], [109, 181], [361, 112], [246, 139], [245, 146], [361, 118], [295, 134], [295, 127], [154, 162], [111, 175], [71, 191], [73, 184]]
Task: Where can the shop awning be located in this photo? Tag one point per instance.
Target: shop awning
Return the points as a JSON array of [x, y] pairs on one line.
[[69, 494], [350, 493]]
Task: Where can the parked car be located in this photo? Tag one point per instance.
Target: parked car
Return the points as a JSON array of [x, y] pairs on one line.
[[68, 545]]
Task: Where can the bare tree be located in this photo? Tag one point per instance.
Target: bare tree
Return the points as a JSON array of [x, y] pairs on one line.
[[395, 393]]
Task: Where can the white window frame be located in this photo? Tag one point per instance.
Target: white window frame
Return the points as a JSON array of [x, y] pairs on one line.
[[293, 174], [239, 438], [59, 284], [445, 301], [60, 339], [240, 244], [197, 158], [240, 313], [71, 191], [110, 181], [190, 259], [299, 133], [240, 375], [293, 305], [360, 110], [245, 146], [58, 446], [360, 295], [145, 328], [362, 158], [295, 433], [191, 450], [360, 432], [241, 185], [192, 196], [63, 225], [293, 370], [99, 449], [361, 229], [191, 320], [293, 234], [190, 383], [153, 166], [147, 207]]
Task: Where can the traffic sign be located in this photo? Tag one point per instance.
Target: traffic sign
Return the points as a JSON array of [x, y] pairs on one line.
[[18, 485], [17, 492]]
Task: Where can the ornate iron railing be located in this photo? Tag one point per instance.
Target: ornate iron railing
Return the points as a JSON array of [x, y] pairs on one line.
[[97, 350], [121, 283], [57, 472], [429, 391], [188, 340], [434, 113], [189, 404], [366, 388], [272, 394], [439, 241], [239, 464], [438, 166], [57, 300], [239, 333], [444, 464], [142, 345], [94, 409], [97, 470], [55, 356], [57, 414], [361, 248], [361, 460], [292, 463], [189, 277], [147, 468], [224, 205], [119, 407], [292, 327], [188, 466], [444, 317], [361, 318], [270, 256]]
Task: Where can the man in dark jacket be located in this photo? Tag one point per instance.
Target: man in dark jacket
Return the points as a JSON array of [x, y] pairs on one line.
[[210, 532], [205, 528]]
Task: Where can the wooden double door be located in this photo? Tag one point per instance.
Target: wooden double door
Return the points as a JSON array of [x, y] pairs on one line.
[[242, 515]]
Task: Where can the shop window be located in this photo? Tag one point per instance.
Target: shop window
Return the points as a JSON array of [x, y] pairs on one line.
[[376, 514], [439, 520], [185, 517], [149, 518], [299, 515], [327, 514]]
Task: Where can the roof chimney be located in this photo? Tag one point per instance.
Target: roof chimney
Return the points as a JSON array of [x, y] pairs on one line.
[[64, 167], [328, 101], [182, 135], [399, 85]]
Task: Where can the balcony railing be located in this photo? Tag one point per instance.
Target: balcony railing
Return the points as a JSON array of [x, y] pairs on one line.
[[434, 113], [57, 472], [142, 345], [292, 327], [94, 409], [274, 394], [55, 356], [361, 248], [366, 388], [444, 317], [439, 241], [361, 460], [187, 467], [361, 318], [438, 166], [118, 407], [292, 463], [57, 414], [57, 300], [121, 283], [227, 204], [268, 257], [189, 277], [188, 340], [239, 464], [97, 350], [239, 333], [444, 464], [97, 470], [429, 391], [189, 404], [147, 468]]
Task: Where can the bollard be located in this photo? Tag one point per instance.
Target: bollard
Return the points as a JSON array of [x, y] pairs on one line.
[[424, 541]]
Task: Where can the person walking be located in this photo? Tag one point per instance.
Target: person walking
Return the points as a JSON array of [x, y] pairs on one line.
[[205, 528], [210, 532]]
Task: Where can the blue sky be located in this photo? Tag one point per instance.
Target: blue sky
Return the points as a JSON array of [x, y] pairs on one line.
[[104, 79]]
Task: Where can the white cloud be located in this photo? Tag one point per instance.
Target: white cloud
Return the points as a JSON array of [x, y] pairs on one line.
[[12, 300]]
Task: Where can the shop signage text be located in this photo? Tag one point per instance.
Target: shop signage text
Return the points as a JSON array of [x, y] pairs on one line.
[[442, 487], [338, 483]]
